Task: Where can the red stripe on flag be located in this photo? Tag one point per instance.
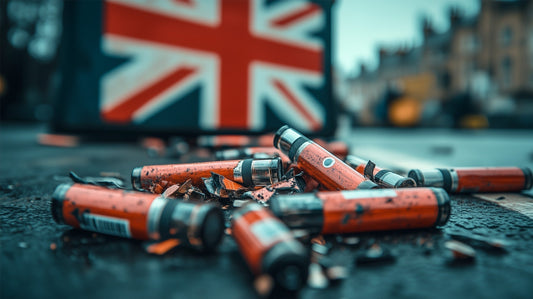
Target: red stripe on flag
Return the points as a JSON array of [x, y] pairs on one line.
[[287, 20], [315, 125], [123, 112]]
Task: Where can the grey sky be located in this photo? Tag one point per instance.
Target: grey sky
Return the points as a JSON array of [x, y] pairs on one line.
[[360, 26]]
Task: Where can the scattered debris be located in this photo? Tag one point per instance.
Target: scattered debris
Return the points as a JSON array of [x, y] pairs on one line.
[[23, 245], [237, 203], [263, 285], [264, 194], [163, 247], [460, 251], [177, 147], [317, 279], [375, 255], [485, 243], [336, 273], [172, 192], [185, 191], [348, 240], [221, 187], [109, 182], [427, 244], [320, 249]]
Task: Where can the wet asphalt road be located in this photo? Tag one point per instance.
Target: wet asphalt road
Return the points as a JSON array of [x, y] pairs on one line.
[[86, 265]]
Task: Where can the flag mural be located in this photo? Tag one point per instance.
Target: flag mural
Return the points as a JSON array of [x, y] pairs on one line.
[[203, 65]]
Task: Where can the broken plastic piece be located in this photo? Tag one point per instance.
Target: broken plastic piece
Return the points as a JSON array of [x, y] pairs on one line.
[[219, 186], [460, 251], [163, 247], [486, 243], [109, 182], [264, 194], [336, 273], [317, 278], [185, 191]]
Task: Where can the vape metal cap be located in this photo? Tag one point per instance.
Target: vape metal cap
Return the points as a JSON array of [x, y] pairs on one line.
[[287, 263], [444, 206], [136, 178], [427, 177], [258, 172], [529, 178], [391, 179], [210, 220], [278, 135], [289, 141], [200, 224], [299, 211]]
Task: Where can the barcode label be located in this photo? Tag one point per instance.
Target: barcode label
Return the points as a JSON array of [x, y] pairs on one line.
[[106, 225]]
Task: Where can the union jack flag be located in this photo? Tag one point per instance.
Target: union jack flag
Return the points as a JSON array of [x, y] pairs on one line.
[[241, 62]]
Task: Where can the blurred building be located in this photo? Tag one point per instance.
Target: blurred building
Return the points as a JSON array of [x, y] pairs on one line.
[[485, 60]]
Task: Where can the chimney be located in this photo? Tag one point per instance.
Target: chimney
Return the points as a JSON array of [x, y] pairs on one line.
[[455, 16]]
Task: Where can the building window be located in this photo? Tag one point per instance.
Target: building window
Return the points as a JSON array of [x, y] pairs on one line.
[[507, 71], [506, 37], [469, 44]]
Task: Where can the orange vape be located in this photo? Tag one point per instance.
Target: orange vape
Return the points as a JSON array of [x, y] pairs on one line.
[[469, 180], [138, 215], [336, 212], [323, 166], [247, 172], [268, 247]]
